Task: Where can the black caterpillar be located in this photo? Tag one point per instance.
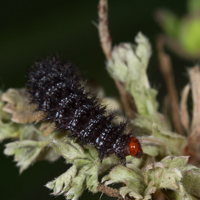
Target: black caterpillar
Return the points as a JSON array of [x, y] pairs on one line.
[[57, 89]]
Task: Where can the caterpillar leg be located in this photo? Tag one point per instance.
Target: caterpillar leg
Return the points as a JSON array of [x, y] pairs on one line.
[[123, 161], [101, 156]]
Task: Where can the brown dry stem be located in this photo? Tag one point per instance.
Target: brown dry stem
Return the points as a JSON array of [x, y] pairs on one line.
[[194, 74], [106, 44], [127, 100], [183, 108], [111, 192], [166, 70], [192, 147], [104, 34]]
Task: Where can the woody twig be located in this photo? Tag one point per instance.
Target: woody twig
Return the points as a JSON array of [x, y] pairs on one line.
[[106, 44], [111, 192], [166, 70]]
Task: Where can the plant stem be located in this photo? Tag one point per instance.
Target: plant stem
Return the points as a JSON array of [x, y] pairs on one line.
[[111, 192]]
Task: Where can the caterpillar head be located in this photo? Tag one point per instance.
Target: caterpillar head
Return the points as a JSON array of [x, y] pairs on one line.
[[135, 147]]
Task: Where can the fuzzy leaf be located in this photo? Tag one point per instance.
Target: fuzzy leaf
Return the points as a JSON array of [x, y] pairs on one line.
[[117, 67], [70, 150], [167, 174], [25, 152], [4, 116], [172, 175], [173, 142], [131, 176], [92, 177], [129, 64], [176, 162], [19, 106], [162, 142], [30, 132], [149, 191], [9, 130], [191, 182], [86, 164], [143, 50], [153, 149], [63, 181], [78, 185], [146, 122], [125, 190]]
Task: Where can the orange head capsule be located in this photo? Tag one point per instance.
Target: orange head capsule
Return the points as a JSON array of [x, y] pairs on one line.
[[135, 147]]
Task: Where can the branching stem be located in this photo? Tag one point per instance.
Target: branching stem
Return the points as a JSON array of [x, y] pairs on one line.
[[106, 44], [166, 69], [111, 192]]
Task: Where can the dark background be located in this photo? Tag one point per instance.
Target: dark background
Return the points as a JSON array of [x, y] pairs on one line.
[[36, 28]]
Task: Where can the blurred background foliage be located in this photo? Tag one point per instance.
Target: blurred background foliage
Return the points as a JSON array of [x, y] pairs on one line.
[[34, 29]]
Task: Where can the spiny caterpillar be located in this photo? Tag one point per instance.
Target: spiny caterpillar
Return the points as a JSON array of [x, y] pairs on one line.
[[57, 89]]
